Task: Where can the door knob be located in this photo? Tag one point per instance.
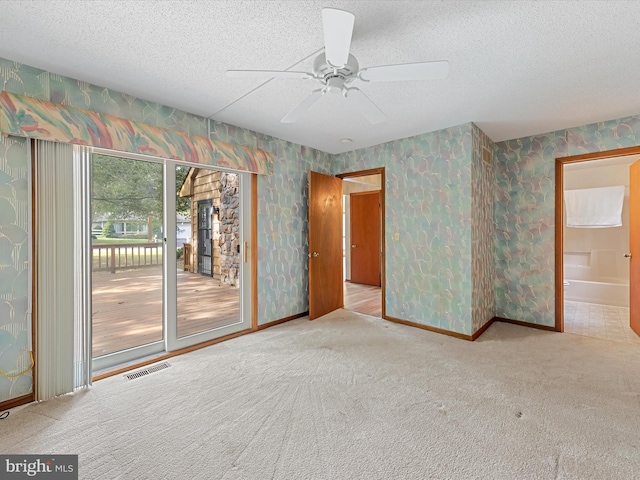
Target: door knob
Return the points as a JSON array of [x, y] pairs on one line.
[[313, 254], [627, 255], [353, 245]]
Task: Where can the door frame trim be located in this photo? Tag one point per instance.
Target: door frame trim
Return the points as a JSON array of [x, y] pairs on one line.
[[253, 252], [559, 226], [383, 260]]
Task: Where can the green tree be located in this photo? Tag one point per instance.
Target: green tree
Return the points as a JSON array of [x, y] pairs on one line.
[[126, 189], [183, 204], [131, 189], [109, 231]]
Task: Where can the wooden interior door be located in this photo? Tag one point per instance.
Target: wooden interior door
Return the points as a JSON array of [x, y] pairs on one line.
[[326, 292], [634, 242], [365, 238]]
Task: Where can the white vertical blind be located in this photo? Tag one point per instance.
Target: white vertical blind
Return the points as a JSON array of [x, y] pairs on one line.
[[82, 267], [61, 341]]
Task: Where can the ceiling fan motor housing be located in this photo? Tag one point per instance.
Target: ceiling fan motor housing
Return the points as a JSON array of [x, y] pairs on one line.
[[335, 78]]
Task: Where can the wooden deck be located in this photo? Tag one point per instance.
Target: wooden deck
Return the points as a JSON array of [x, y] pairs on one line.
[[127, 307], [363, 298]]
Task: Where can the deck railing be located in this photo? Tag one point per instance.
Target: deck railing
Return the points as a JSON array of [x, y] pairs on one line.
[[120, 256], [186, 256]]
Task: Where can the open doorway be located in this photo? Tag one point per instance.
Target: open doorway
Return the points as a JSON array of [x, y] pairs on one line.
[[363, 241], [594, 240]]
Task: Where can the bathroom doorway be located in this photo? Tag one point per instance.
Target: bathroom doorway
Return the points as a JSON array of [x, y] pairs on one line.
[[594, 246], [363, 241]]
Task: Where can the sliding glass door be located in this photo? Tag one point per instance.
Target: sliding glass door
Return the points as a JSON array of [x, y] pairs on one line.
[[207, 279], [127, 258], [169, 266]]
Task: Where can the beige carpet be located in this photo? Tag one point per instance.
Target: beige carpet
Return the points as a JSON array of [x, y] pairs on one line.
[[353, 397]]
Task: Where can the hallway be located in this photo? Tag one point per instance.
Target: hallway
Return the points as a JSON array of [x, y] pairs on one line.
[[361, 298]]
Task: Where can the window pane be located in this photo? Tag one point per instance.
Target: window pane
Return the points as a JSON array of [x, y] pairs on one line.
[[209, 256], [127, 253]]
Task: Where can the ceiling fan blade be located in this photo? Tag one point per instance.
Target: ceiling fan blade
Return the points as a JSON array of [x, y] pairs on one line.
[[268, 73], [302, 107], [338, 27], [406, 71], [365, 105]]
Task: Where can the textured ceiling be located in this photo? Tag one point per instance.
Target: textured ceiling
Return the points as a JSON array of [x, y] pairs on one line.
[[517, 68]]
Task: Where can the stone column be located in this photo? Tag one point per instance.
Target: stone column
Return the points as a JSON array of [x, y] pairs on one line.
[[229, 229]]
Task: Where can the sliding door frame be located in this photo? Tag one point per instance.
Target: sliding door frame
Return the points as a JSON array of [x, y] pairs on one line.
[[134, 353], [170, 341]]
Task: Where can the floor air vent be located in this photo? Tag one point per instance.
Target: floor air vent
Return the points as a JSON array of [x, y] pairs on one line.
[[147, 371]]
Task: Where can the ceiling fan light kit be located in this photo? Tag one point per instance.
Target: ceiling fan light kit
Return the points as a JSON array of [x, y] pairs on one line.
[[336, 68]]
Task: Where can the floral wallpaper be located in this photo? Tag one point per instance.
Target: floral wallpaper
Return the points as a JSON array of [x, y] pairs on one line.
[[79, 94], [603, 136], [525, 212], [14, 355], [24, 80], [428, 194], [283, 274], [14, 268], [482, 235]]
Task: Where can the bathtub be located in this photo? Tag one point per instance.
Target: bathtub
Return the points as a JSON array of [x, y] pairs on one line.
[[612, 292]]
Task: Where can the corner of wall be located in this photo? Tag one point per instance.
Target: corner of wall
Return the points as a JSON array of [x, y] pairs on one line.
[[483, 231], [428, 203], [524, 214]]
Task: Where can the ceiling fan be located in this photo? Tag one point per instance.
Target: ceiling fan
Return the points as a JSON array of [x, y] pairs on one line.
[[336, 68]]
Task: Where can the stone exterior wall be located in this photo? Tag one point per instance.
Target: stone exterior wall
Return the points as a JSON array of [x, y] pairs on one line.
[[222, 189], [206, 186], [229, 240]]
